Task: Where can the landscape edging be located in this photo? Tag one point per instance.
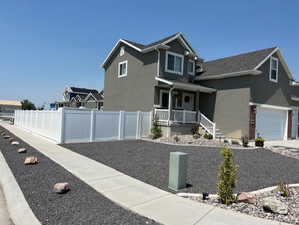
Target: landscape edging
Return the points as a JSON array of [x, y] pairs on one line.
[[19, 210], [260, 191]]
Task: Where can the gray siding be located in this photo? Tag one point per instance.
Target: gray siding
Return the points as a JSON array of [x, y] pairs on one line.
[[232, 112], [229, 109], [263, 91], [176, 47], [136, 90]]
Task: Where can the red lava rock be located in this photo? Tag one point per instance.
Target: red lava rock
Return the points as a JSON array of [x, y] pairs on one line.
[[30, 160], [61, 188], [247, 198]]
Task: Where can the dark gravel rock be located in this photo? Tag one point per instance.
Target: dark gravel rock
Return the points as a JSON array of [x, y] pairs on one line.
[[148, 162], [81, 205]]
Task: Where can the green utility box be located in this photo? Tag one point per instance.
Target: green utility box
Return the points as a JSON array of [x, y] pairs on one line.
[[177, 170]]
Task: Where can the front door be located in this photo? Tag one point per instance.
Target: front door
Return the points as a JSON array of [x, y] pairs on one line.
[[188, 101]]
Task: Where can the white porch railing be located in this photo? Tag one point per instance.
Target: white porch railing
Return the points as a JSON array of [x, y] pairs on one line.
[[185, 116], [207, 124], [7, 115], [180, 116]]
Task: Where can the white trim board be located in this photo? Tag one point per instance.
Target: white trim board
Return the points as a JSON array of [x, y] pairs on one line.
[[118, 69], [175, 55], [271, 106], [276, 69], [228, 75]]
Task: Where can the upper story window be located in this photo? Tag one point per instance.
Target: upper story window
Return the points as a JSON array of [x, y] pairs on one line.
[[122, 51], [122, 68], [273, 69], [174, 63], [191, 67]]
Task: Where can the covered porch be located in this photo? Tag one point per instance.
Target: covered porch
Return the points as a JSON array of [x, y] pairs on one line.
[[178, 103]]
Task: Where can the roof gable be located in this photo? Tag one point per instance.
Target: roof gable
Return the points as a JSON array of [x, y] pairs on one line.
[[152, 46], [233, 64], [243, 64]]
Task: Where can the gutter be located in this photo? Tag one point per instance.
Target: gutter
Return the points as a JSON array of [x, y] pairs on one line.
[[228, 75]]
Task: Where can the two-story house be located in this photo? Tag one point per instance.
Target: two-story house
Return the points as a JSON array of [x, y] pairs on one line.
[[76, 97], [248, 94]]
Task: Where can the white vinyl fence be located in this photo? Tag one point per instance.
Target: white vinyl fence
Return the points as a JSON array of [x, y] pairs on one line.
[[69, 125]]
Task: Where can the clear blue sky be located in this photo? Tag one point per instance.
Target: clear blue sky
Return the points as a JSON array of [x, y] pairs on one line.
[[47, 45]]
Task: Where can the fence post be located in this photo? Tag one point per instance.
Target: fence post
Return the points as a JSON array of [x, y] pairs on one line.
[[92, 125], [151, 116], [214, 130], [121, 125], [62, 126], [184, 116], [138, 128]]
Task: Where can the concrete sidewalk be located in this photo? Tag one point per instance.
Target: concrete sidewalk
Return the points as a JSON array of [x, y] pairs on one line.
[[133, 194], [287, 144], [4, 216]]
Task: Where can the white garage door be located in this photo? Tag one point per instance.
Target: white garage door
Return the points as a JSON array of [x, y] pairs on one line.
[[270, 123]]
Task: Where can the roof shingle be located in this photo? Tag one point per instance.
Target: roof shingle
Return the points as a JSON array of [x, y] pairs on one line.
[[238, 63]]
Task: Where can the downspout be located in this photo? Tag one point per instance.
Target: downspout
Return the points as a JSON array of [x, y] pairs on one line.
[[158, 62]]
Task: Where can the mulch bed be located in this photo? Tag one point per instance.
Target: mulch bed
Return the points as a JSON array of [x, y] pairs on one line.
[[148, 162], [81, 205]]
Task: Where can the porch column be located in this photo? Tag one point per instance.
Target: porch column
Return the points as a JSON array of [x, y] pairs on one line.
[[170, 104], [197, 101]]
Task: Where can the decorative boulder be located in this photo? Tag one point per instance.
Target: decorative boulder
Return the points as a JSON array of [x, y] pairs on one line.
[[15, 143], [30, 160], [6, 136], [61, 188], [247, 198], [273, 205], [22, 150]]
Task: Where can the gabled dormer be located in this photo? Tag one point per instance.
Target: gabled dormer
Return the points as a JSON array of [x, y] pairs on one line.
[[174, 56]]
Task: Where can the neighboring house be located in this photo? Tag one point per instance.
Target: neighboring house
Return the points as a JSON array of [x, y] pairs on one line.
[[9, 106], [248, 94], [75, 97]]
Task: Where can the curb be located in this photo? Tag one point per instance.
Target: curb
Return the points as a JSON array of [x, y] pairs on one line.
[[260, 191], [17, 206]]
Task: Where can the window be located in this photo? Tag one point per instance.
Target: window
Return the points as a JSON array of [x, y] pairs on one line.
[[122, 69], [191, 67], [174, 63], [122, 51], [273, 69]]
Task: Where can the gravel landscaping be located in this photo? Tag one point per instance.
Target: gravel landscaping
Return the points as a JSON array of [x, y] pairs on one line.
[[290, 203], [148, 162], [187, 139], [81, 205]]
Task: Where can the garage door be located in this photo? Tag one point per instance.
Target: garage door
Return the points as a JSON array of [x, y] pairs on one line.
[[270, 123]]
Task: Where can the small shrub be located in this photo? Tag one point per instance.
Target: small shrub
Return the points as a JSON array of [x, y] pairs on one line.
[[227, 177], [194, 130], [259, 142], [284, 189], [156, 131], [176, 138], [245, 141], [208, 136]]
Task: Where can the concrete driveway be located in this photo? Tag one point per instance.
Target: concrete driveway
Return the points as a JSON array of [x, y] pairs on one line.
[[287, 144]]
